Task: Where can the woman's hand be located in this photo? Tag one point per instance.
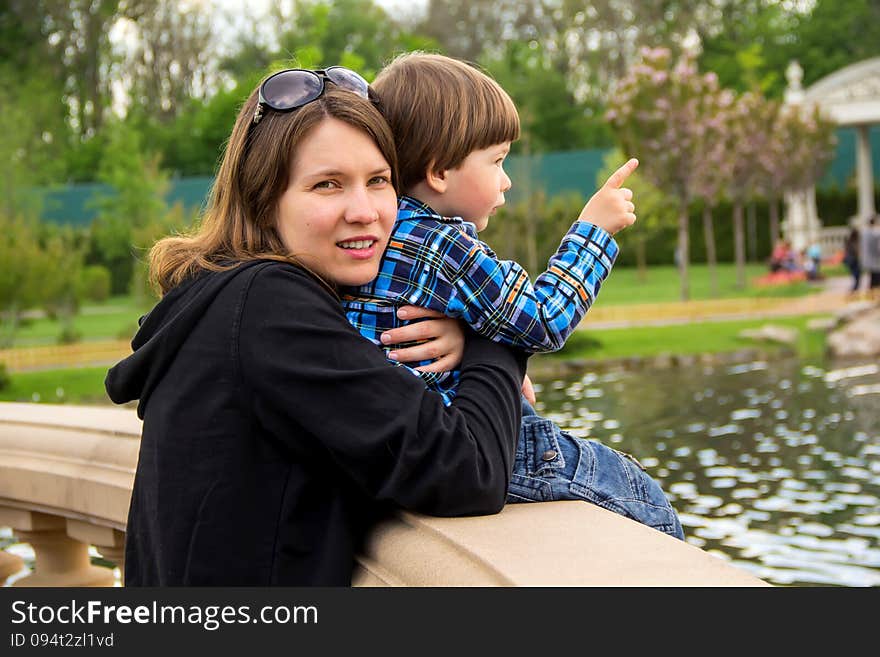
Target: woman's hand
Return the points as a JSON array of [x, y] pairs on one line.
[[441, 338]]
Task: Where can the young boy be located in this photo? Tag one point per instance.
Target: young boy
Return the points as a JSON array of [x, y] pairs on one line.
[[453, 126]]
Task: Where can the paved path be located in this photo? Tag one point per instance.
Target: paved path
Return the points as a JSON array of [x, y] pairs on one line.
[[831, 296]]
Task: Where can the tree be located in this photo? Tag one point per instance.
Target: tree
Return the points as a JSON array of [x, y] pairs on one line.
[[469, 29], [58, 56], [170, 61], [834, 34], [591, 44], [355, 33], [173, 222], [776, 164], [552, 119], [713, 178], [808, 142], [33, 129], [21, 262], [752, 121], [748, 43], [138, 199], [191, 145], [78, 36], [660, 111], [61, 264]]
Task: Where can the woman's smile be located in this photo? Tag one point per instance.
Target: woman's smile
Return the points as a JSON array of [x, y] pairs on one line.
[[361, 247]]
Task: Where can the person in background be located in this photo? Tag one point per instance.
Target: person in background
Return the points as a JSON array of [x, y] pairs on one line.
[[813, 262], [778, 256], [871, 256], [851, 258]]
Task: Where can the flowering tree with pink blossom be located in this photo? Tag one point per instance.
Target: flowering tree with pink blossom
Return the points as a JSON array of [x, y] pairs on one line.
[[775, 148], [712, 179], [808, 143], [776, 163], [753, 157], [660, 111]]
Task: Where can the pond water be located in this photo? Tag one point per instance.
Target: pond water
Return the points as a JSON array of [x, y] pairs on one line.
[[773, 466]]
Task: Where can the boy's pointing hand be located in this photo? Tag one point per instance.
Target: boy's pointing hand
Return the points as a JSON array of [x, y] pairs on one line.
[[611, 207]]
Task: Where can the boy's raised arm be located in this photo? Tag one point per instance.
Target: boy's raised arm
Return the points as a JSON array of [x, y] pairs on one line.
[[497, 298]]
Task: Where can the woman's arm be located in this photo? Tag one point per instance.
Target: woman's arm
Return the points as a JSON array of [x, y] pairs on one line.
[[330, 395]]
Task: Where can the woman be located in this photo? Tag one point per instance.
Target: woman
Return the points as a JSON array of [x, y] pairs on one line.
[[274, 434]]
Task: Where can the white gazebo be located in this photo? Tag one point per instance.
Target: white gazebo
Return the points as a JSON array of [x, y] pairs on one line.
[[850, 97]]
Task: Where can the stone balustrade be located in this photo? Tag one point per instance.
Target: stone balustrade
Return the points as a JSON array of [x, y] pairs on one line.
[[832, 239], [65, 482]]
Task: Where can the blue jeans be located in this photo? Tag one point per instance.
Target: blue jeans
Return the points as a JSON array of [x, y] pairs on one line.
[[553, 465]]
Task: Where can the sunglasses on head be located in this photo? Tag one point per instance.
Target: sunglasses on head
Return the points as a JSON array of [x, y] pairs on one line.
[[292, 88]]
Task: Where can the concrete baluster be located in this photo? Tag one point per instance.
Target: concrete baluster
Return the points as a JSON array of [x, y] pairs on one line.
[[108, 541], [58, 559], [10, 564]]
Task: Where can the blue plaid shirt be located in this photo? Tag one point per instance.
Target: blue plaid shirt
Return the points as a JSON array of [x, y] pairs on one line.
[[440, 263]]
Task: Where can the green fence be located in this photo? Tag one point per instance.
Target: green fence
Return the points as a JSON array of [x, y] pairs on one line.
[[555, 173]]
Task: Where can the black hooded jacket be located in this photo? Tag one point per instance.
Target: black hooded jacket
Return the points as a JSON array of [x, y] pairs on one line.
[[274, 434]]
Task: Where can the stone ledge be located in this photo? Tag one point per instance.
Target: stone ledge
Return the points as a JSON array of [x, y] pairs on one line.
[[538, 544], [74, 466]]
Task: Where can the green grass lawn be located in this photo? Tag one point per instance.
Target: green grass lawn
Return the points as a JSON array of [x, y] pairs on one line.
[[692, 338], [661, 285], [115, 319], [79, 385], [86, 385]]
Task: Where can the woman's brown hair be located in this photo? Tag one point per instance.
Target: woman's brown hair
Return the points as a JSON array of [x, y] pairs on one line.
[[440, 110], [239, 223]]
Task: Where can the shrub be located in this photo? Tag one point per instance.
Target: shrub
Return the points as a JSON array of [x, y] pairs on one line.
[[94, 283], [69, 335]]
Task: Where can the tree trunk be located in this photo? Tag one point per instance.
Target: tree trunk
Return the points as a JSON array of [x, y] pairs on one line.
[[774, 220], [531, 237], [641, 260], [9, 326], [711, 257], [739, 244], [682, 251], [66, 316], [531, 245], [752, 220]]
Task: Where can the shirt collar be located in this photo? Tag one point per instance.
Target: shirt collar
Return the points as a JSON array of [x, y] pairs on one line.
[[411, 208]]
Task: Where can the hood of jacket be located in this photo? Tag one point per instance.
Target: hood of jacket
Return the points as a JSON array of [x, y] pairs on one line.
[[162, 332]]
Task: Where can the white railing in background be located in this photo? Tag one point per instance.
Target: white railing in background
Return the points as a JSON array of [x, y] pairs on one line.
[[832, 239]]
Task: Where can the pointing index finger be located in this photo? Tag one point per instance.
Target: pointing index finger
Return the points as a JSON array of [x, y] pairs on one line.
[[619, 177]]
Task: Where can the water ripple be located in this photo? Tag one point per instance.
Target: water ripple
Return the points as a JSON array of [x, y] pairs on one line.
[[773, 467]]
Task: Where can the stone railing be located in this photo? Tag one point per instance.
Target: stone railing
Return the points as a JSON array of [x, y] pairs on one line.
[[832, 239], [65, 483]]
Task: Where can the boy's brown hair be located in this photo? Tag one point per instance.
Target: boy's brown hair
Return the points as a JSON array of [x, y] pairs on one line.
[[440, 110]]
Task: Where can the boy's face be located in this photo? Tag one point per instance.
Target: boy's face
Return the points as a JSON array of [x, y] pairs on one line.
[[475, 189]]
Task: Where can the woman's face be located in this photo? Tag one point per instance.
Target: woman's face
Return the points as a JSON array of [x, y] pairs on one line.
[[337, 211]]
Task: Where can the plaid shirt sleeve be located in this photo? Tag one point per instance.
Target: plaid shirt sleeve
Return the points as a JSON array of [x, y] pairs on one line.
[[499, 301]]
